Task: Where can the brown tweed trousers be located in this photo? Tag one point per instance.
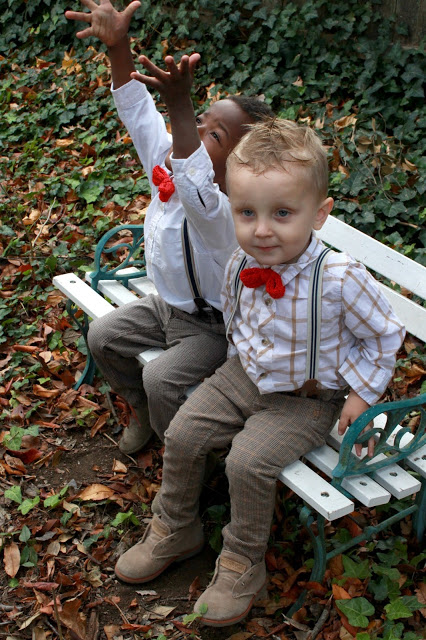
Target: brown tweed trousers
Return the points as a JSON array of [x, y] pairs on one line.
[[267, 432], [194, 347]]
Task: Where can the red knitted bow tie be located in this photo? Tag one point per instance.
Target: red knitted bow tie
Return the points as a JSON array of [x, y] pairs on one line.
[[162, 180], [256, 276]]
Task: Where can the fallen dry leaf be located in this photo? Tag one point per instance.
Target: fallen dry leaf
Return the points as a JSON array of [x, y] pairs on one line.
[[12, 558], [96, 492], [339, 593]]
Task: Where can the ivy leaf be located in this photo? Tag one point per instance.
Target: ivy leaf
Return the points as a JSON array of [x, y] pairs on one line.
[[393, 631], [402, 607], [14, 494], [28, 504], [354, 569], [25, 534], [356, 610], [390, 572]]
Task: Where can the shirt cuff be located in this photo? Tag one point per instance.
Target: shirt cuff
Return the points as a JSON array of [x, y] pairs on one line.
[[196, 168], [367, 392], [129, 94]]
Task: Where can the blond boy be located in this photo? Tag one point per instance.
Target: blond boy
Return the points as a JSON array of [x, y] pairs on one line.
[[261, 401]]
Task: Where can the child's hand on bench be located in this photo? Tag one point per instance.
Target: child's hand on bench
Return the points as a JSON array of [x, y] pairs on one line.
[[352, 409], [106, 23]]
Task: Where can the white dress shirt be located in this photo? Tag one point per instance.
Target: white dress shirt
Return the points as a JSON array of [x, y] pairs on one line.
[[360, 334], [197, 197]]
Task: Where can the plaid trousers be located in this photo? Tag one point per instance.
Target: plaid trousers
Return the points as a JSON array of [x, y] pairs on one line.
[[194, 347], [267, 432]]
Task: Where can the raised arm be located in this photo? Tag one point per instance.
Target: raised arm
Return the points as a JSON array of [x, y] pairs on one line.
[[110, 27], [174, 86]]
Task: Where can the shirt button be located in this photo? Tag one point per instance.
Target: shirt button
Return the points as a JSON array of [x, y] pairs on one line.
[[192, 171], [265, 342], [263, 375], [268, 302]]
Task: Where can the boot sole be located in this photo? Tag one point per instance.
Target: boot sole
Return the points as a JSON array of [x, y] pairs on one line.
[[208, 622], [152, 576]]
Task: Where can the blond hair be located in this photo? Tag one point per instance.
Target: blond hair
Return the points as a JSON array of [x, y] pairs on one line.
[[274, 143]]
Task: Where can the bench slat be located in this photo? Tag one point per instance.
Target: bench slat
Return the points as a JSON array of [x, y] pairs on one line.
[[412, 315], [375, 255], [142, 286], [117, 292], [316, 491], [417, 460], [362, 487], [149, 355], [82, 295], [393, 477]]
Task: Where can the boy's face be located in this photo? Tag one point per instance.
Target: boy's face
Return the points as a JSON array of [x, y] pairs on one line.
[[220, 128], [274, 212]]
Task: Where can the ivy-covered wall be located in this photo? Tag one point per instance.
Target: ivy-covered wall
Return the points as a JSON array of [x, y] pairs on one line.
[[313, 61]]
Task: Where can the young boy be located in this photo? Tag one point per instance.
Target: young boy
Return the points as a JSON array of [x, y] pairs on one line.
[[262, 400], [187, 181]]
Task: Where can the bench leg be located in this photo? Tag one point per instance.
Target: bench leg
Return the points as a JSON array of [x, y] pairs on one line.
[[419, 519], [319, 549], [89, 370]]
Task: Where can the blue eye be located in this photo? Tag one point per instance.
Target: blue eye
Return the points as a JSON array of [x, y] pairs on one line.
[[247, 213], [282, 213]]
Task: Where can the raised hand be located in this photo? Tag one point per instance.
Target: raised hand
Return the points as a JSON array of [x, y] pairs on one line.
[[106, 23], [174, 84]]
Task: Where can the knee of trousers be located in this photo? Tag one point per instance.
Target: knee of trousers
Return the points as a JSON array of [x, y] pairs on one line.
[[96, 337], [181, 438], [156, 383], [243, 464]]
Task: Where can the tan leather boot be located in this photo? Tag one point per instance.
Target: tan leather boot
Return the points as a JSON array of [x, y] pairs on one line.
[[158, 548], [233, 590], [138, 432]]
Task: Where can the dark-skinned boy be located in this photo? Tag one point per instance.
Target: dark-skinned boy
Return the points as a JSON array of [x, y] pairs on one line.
[[192, 336]]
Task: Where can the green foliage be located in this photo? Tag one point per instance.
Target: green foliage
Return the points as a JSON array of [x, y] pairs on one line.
[[383, 580], [56, 499], [13, 439], [191, 617], [356, 610], [122, 518], [321, 62]]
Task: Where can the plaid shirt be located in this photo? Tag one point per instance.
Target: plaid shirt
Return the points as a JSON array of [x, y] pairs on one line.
[[360, 334]]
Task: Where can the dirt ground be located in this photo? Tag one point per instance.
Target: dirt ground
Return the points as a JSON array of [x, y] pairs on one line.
[[85, 461]]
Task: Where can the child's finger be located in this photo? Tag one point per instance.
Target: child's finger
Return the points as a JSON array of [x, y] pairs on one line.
[[78, 15], [131, 8], [85, 34], [151, 67], [194, 59], [90, 4], [343, 423], [174, 70], [148, 80]]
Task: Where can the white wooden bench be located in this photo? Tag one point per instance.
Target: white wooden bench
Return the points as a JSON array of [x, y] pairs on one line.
[[374, 482]]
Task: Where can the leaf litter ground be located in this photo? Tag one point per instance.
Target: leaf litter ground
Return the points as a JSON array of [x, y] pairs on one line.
[[71, 500]]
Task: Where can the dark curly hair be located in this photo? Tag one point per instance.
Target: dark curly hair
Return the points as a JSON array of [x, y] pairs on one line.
[[255, 108]]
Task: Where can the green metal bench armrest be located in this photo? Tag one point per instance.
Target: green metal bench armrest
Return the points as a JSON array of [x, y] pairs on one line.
[[103, 271], [393, 450]]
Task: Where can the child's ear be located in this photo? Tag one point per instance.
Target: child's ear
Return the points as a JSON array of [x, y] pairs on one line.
[[322, 214]]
